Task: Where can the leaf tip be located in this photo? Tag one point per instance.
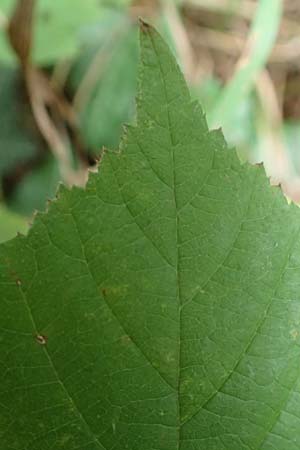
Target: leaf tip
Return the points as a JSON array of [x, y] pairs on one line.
[[145, 27]]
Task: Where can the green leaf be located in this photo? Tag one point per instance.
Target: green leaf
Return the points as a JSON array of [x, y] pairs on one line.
[[20, 141], [111, 101], [58, 27], [158, 309], [35, 188], [11, 224], [28, 175]]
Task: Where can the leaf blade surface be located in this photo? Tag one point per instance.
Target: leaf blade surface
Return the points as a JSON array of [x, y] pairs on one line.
[[159, 308]]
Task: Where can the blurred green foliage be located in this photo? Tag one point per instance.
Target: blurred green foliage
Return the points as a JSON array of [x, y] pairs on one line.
[[11, 224], [262, 36], [19, 139], [110, 101], [35, 188], [90, 30], [58, 27]]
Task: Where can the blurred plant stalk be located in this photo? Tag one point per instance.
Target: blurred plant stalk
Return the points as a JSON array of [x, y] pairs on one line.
[[257, 50], [53, 113]]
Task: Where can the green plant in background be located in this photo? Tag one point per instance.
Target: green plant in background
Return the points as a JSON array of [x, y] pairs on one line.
[[57, 28], [100, 44], [11, 224], [106, 102], [236, 105], [259, 45], [158, 308]]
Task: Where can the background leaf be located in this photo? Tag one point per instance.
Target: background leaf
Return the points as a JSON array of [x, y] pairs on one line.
[[11, 224], [159, 308], [110, 100], [58, 27], [35, 188], [19, 139]]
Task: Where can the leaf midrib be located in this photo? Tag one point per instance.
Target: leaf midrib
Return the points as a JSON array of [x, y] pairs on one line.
[[177, 268]]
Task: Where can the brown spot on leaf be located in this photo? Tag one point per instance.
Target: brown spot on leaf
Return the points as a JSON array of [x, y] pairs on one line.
[[41, 339], [125, 339], [294, 334]]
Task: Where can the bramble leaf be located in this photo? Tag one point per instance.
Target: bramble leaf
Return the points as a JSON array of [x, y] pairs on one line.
[[159, 308]]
